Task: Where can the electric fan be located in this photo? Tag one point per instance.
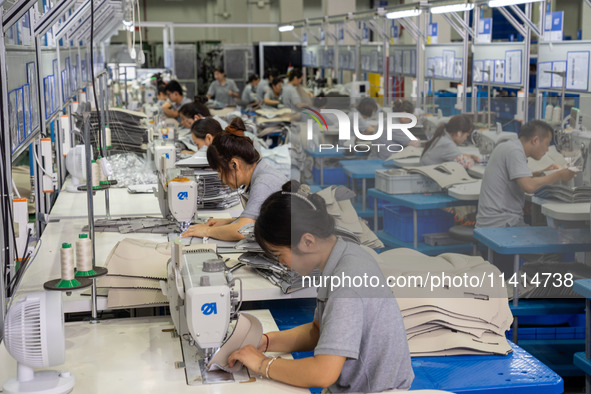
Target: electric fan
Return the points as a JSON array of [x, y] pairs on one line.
[[76, 166], [34, 336]]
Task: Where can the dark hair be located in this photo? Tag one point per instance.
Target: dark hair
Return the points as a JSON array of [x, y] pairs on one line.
[[161, 89], [275, 82], [205, 126], [253, 77], [174, 86], [229, 144], [295, 73], [367, 106], [220, 70], [403, 106], [195, 108], [533, 128], [461, 123], [299, 214]]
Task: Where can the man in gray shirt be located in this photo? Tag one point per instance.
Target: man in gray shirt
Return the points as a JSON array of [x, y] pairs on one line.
[[176, 100], [222, 89], [264, 85], [507, 177]]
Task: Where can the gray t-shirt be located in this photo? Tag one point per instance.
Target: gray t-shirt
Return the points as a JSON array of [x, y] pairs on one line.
[[248, 94], [363, 324], [501, 198], [291, 97], [220, 93], [272, 96], [264, 182], [262, 89], [442, 151]]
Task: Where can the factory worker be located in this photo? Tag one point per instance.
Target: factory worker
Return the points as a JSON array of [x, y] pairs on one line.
[[366, 109], [398, 136], [162, 96], [249, 94], [274, 97], [175, 101], [443, 147], [507, 177], [197, 110], [204, 131], [265, 85], [223, 90], [293, 91], [239, 165], [358, 337]]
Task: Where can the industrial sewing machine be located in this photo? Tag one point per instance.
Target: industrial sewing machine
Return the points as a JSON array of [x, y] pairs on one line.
[[486, 140], [200, 291], [574, 143], [430, 123]]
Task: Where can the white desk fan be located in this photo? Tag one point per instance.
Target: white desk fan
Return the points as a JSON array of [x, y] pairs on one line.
[[76, 166], [34, 336]]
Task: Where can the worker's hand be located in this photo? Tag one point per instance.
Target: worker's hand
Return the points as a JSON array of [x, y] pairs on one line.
[[566, 175], [553, 167], [476, 158], [196, 230], [167, 105], [415, 143], [213, 222], [263, 344], [252, 358]]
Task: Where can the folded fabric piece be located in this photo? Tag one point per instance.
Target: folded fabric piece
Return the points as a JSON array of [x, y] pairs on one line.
[[138, 257], [248, 331], [445, 174], [128, 282], [339, 206], [126, 298], [564, 193], [466, 316], [466, 191], [409, 151]]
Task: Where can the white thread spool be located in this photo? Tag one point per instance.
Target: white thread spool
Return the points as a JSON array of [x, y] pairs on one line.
[[67, 261], [102, 176], [83, 253], [95, 172], [557, 115], [108, 136], [549, 112]]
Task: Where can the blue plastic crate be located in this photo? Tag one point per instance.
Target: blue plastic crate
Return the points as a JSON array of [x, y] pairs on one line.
[[332, 176], [398, 222], [547, 333]]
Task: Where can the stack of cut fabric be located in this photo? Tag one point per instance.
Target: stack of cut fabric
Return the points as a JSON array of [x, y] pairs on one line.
[[466, 315], [212, 193], [339, 206], [445, 174], [128, 134], [564, 193], [136, 268]]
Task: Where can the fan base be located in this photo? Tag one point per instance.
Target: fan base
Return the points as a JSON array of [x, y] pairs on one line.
[[44, 382]]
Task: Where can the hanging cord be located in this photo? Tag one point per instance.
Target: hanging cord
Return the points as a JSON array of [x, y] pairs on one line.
[[100, 143], [25, 266], [140, 58]]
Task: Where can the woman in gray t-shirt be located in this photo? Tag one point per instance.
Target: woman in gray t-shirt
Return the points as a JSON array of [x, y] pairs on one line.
[[239, 166], [222, 89], [443, 147], [357, 335]]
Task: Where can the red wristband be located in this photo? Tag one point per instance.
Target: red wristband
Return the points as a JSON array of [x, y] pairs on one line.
[[267, 338]]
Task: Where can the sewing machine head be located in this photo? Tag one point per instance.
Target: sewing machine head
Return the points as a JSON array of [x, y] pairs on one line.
[[574, 145], [202, 305], [430, 123], [486, 140], [177, 195]]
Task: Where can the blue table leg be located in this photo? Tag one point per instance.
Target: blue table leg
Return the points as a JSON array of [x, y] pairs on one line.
[[321, 170], [587, 342], [515, 295], [375, 215], [415, 229], [364, 196]]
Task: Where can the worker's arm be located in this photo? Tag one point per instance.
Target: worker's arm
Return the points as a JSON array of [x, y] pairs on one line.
[[302, 338], [168, 111], [550, 168], [227, 232], [318, 371], [530, 184], [272, 103]]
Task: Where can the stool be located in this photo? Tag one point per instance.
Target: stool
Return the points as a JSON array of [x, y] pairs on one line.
[[465, 233]]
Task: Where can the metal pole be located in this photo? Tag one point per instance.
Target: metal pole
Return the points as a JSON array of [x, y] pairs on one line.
[[89, 191], [103, 90], [525, 71], [465, 72]]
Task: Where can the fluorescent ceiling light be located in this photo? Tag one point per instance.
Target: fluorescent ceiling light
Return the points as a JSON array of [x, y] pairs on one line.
[[403, 14], [504, 3], [444, 9], [285, 28]]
